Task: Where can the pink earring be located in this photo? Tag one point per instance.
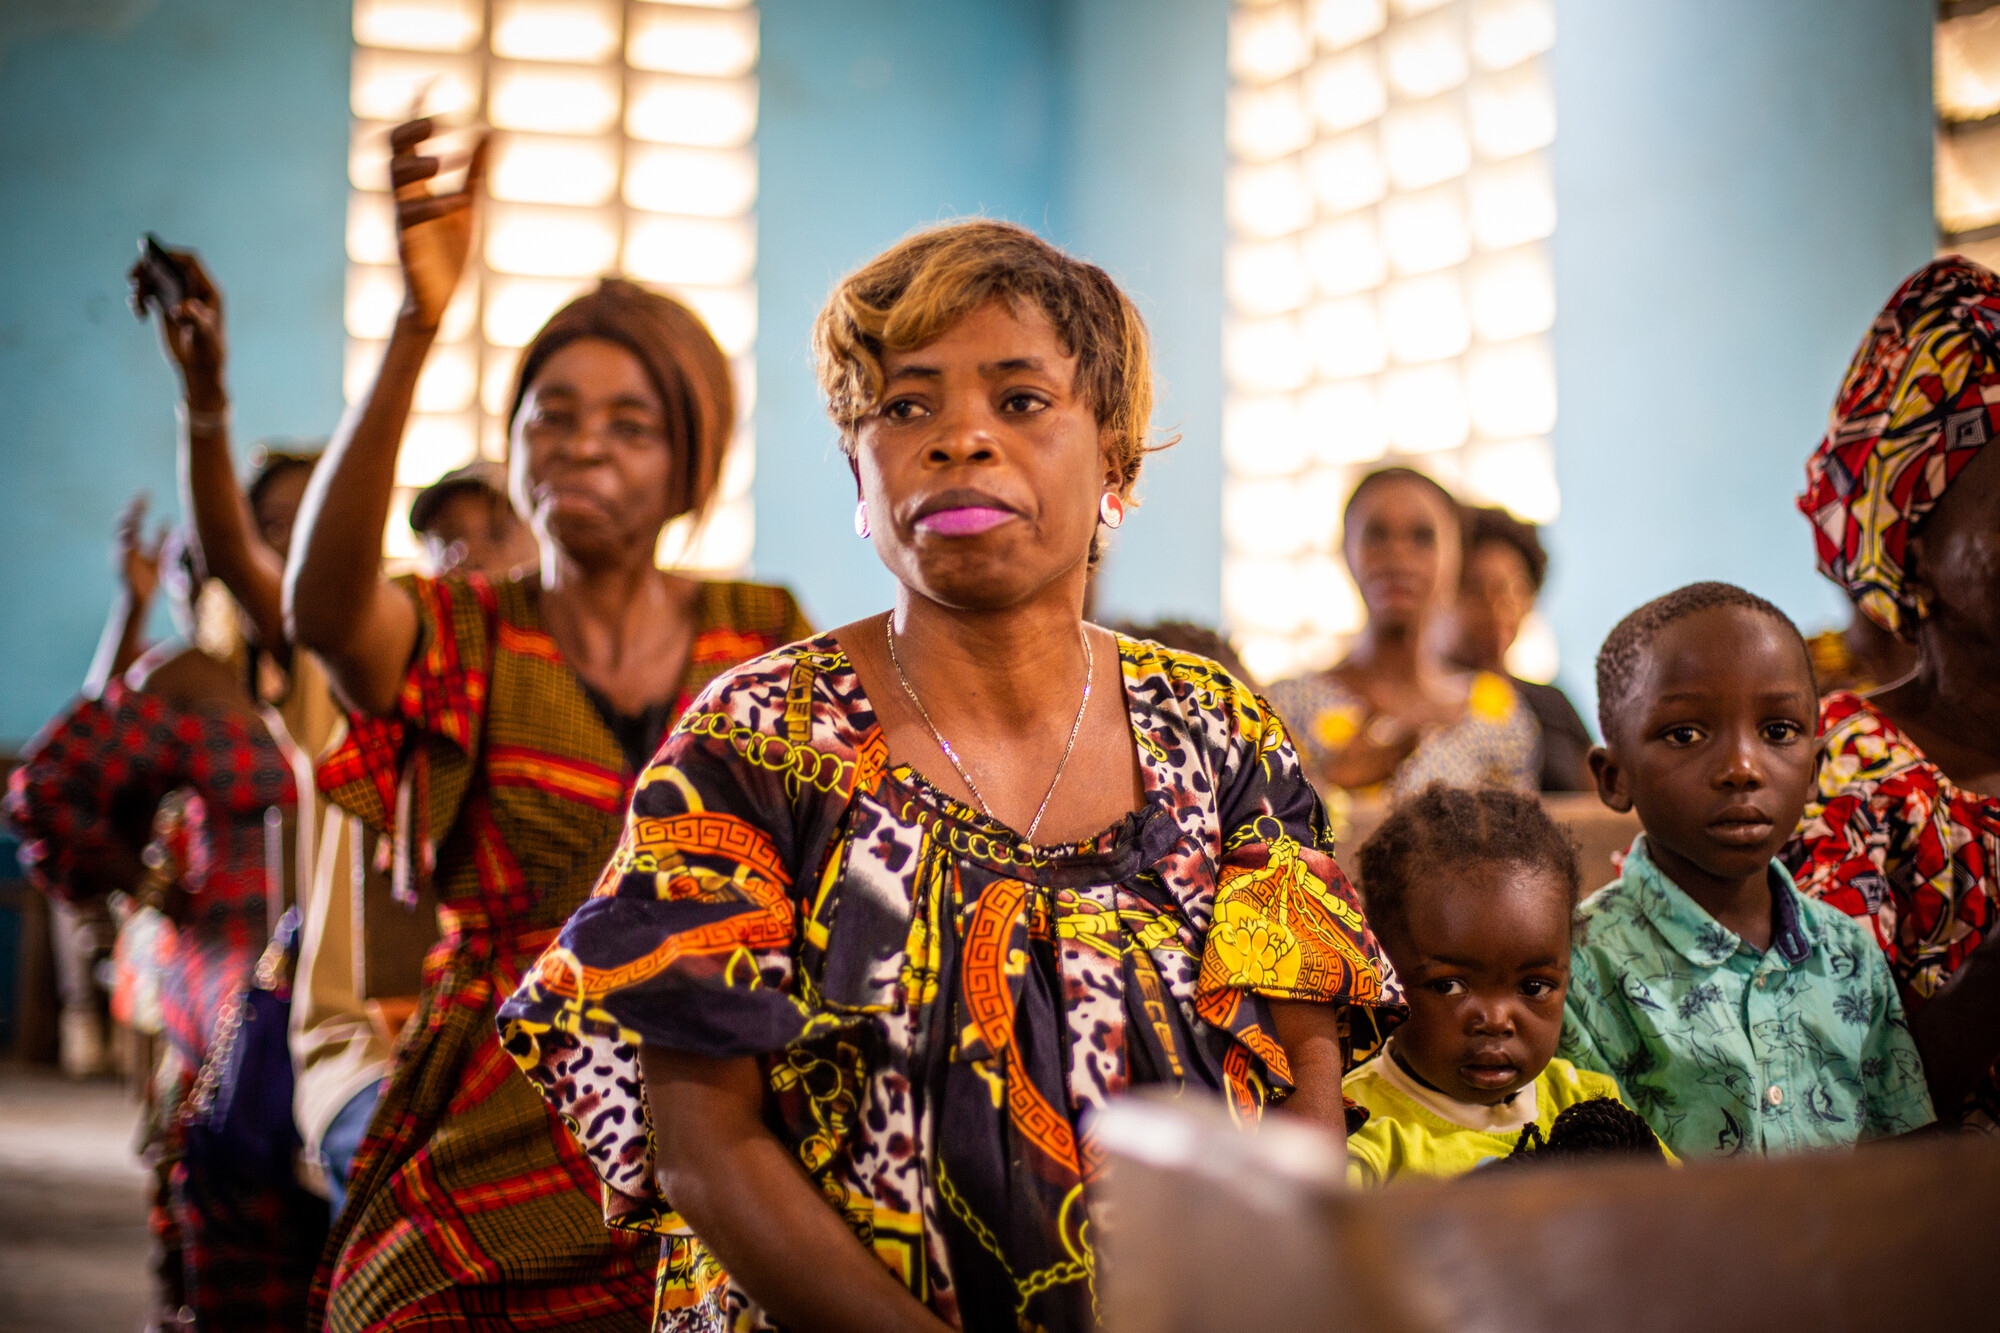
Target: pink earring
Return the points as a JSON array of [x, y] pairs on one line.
[[861, 519], [1110, 509]]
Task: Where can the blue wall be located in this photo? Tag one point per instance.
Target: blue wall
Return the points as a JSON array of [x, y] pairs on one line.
[[878, 116], [1739, 187], [1142, 195], [217, 123], [1096, 122]]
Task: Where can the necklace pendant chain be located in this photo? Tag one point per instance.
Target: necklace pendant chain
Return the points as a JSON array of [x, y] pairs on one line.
[[1075, 728]]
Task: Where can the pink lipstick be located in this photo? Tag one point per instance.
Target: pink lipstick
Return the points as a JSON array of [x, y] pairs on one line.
[[965, 522]]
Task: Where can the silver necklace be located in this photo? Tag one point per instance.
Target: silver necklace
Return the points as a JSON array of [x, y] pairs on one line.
[[1089, 673]]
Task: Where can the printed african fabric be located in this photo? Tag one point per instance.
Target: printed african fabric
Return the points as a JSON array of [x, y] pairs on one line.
[[469, 1205], [104, 780], [1888, 838], [937, 1006], [1725, 1049], [1414, 1131], [1921, 397], [1497, 743]]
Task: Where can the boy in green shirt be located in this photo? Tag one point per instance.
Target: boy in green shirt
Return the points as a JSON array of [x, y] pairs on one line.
[[1736, 1014]]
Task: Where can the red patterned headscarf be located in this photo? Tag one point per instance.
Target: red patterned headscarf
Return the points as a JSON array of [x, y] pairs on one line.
[[1921, 397]]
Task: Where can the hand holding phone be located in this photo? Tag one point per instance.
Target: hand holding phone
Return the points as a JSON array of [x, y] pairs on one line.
[[190, 309]]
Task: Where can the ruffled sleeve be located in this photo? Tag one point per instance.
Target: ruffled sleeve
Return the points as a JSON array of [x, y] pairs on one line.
[[688, 942], [405, 775], [87, 786], [1284, 922]]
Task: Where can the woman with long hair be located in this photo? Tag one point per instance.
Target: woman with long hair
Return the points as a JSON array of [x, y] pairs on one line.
[[497, 728]]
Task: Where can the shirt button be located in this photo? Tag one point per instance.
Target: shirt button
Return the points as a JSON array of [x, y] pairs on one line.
[[1775, 1095]]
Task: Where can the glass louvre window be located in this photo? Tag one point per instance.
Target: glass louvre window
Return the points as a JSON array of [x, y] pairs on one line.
[[1388, 289], [623, 142], [1966, 71]]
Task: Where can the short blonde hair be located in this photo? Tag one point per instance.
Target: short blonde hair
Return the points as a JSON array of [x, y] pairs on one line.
[[914, 291]]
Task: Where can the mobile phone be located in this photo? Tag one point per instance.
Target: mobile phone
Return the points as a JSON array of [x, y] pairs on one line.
[[166, 280]]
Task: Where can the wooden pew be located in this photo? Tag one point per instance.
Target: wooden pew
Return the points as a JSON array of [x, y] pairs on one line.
[[1211, 1228], [1600, 832]]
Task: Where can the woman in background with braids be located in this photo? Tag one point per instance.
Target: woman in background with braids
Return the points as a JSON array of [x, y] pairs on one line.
[[498, 727]]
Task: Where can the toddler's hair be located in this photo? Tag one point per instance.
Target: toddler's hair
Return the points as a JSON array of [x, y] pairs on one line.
[[1629, 641], [1600, 1127], [1454, 826]]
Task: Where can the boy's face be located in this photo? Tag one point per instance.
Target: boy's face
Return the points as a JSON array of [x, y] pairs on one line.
[[1714, 746], [1484, 958]]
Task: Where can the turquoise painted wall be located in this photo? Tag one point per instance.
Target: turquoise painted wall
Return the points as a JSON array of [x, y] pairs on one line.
[[1738, 188], [217, 123], [1096, 122]]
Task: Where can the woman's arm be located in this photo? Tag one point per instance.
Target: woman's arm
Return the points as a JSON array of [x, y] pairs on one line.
[[1310, 1033], [336, 601], [225, 532], [138, 566], [752, 1205]]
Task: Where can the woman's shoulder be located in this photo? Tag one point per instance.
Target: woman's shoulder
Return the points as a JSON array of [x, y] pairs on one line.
[[736, 605], [796, 690], [1198, 688]]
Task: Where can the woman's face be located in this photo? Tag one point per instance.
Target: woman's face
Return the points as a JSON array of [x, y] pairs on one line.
[[1495, 594], [1401, 544], [277, 508], [1958, 554], [981, 468], [591, 461]]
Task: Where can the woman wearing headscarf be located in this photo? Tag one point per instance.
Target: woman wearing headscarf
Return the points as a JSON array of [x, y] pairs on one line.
[[1904, 827], [900, 906], [497, 728]]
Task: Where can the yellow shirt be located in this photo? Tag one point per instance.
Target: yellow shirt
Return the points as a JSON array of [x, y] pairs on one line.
[[1406, 1133]]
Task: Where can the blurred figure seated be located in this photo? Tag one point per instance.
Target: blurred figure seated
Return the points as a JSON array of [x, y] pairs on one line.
[[1504, 569], [1394, 716]]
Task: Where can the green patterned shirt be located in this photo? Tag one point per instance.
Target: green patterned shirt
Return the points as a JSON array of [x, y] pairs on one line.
[[1728, 1050]]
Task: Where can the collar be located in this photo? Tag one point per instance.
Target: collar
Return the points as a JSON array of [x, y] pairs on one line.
[[1699, 937], [1518, 1110]]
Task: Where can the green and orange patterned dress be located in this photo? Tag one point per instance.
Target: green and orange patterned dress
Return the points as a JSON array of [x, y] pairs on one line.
[[470, 1205], [937, 1006]]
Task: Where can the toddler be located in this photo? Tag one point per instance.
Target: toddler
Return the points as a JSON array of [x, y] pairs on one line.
[[1736, 1014], [1470, 894]]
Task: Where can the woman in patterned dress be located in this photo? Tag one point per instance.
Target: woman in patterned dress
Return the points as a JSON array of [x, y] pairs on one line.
[[1904, 827], [899, 906], [175, 747], [1393, 716], [498, 727]]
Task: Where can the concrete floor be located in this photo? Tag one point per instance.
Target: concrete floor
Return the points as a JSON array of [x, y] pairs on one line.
[[73, 1241]]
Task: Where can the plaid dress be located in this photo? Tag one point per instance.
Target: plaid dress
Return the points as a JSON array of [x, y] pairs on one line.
[[469, 1204], [937, 1006], [237, 1250]]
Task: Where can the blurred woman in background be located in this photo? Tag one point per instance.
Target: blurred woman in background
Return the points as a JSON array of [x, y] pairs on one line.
[[497, 729], [179, 737], [1393, 715], [1504, 568]]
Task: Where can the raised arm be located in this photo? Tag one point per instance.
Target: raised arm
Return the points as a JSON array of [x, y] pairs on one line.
[[752, 1205], [336, 600], [138, 568], [225, 534]]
